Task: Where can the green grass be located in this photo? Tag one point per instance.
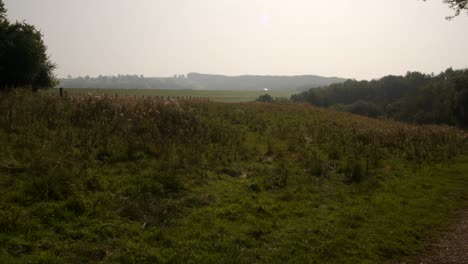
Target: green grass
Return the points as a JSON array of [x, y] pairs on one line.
[[105, 180], [213, 95], [316, 222]]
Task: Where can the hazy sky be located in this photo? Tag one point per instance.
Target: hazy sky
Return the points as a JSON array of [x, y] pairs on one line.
[[360, 39]]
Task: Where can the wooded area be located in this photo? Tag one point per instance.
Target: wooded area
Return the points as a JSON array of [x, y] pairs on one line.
[[23, 56], [415, 97]]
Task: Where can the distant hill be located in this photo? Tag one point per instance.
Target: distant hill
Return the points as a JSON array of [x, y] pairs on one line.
[[198, 81], [258, 82]]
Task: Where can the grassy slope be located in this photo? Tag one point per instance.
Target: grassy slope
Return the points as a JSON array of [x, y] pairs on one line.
[[313, 222], [65, 200]]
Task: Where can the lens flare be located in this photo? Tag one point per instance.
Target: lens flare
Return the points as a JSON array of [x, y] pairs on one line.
[[264, 19]]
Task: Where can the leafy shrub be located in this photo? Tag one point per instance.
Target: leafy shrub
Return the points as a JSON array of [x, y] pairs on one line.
[[254, 187], [355, 171], [334, 153], [49, 183], [314, 167], [76, 206], [363, 108], [279, 179], [266, 98], [171, 182]]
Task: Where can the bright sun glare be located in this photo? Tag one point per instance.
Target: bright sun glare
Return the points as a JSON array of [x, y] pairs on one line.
[[264, 19]]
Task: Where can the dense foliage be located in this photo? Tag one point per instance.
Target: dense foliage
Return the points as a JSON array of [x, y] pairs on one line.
[[266, 98], [136, 180], [457, 5], [416, 97], [23, 58]]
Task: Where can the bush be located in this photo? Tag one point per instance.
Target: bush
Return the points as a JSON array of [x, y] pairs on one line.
[[50, 184], [363, 108], [76, 206], [280, 178], [266, 98], [355, 171], [314, 167]]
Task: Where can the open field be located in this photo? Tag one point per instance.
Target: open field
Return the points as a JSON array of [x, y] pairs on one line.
[[89, 179], [213, 95]]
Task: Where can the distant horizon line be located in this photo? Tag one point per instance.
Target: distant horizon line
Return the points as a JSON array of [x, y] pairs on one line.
[[252, 75], [210, 74]]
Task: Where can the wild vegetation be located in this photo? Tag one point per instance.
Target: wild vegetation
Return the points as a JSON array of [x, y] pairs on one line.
[[137, 180], [212, 95], [458, 6], [106, 178], [416, 97], [23, 58]]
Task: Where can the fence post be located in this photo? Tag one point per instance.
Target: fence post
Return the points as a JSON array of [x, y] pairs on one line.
[[61, 91]]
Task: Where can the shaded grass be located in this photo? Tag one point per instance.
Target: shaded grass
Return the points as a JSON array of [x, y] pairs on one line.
[[224, 220], [334, 223]]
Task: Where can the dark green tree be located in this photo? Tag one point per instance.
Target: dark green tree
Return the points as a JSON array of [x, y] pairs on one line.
[[266, 98], [2, 11], [416, 97], [3, 41], [461, 99], [457, 5], [23, 56]]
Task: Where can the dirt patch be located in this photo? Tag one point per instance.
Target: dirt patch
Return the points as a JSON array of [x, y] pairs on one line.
[[450, 248]]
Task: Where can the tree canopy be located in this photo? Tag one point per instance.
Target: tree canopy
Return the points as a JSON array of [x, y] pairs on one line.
[[266, 98], [23, 56], [2, 10], [457, 5], [415, 97]]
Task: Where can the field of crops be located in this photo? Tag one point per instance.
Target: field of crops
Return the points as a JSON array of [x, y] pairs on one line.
[[88, 179], [213, 95]]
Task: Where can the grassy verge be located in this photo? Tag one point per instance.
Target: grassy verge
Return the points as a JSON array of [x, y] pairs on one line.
[[320, 222]]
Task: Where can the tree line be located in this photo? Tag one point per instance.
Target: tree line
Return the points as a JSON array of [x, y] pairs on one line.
[[415, 97], [200, 81], [127, 82], [23, 56]]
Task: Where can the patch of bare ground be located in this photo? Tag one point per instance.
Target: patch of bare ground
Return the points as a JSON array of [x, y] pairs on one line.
[[450, 247]]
